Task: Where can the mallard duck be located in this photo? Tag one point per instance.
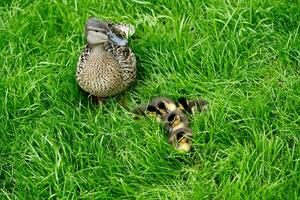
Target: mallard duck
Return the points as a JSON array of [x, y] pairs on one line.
[[192, 106], [107, 65], [181, 139]]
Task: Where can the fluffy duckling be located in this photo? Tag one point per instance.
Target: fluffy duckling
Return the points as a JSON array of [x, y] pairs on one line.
[[192, 106], [181, 139], [163, 106], [176, 120], [158, 107], [146, 110]]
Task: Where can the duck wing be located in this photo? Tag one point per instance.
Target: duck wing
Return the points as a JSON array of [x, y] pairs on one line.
[[82, 59]]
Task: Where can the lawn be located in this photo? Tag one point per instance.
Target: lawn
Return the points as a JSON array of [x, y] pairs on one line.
[[241, 56]]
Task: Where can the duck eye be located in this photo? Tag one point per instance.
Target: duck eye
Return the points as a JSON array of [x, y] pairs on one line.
[[99, 31]]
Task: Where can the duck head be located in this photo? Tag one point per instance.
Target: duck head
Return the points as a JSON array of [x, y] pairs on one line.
[[98, 32]]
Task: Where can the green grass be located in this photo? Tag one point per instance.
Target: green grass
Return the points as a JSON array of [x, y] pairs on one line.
[[242, 56]]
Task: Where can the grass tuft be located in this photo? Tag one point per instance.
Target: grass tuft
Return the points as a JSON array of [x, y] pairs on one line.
[[242, 56]]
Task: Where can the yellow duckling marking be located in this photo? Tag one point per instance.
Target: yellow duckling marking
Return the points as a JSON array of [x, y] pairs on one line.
[[179, 126], [180, 106], [184, 145], [170, 106], [154, 114], [183, 142], [175, 121]]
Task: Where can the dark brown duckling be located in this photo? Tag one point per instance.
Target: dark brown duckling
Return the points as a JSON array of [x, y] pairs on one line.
[[158, 107], [192, 106], [176, 120], [163, 106], [181, 139], [146, 110]]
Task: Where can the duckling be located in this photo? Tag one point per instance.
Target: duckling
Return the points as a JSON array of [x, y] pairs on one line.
[[158, 107], [176, 120], [163, 106], [192, 106], [107, 65], [181, 139], [146, 110], [177, 126]]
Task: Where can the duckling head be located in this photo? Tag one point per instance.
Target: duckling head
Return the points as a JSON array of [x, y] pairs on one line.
[[98, 32], [151, 110], [173, 119], [183, 104], [181, 139], [165, 106], [192, 106], [184, 143], [161, 107]]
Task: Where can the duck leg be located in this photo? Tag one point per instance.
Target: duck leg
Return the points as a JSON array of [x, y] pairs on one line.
[[98, 100], [122, 101]]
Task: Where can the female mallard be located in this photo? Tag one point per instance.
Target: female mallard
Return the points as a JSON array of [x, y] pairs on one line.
[[107, 65]]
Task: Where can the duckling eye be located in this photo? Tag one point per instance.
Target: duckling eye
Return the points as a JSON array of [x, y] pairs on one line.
[[161, 105], [151, 109], [179, 135], [171, 118]]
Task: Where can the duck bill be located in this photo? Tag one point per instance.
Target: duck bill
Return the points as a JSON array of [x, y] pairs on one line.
[[113, 38]]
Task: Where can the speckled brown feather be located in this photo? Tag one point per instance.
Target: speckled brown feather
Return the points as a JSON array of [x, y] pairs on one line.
[[127, 61], [107, 71], [101, 75]]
